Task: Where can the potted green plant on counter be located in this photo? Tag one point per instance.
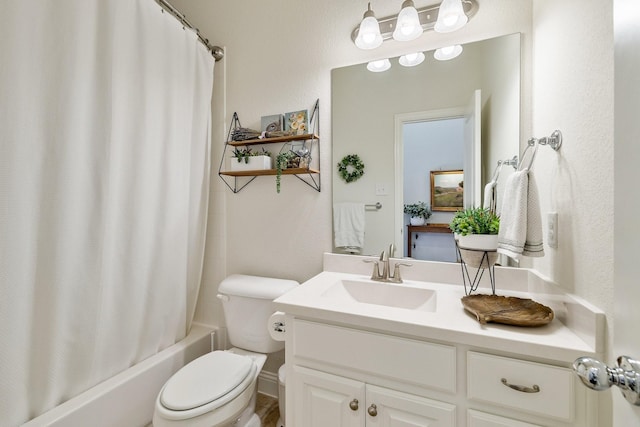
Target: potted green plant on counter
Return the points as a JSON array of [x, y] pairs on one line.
[[419, 213], [476, 229]]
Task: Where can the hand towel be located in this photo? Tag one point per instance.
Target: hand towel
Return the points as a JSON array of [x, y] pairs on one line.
[[489, 201], [520, 220], [348, 226]]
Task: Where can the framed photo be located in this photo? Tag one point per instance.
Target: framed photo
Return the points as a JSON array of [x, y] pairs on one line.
[[272, 123], [447, 190], [297, 122]]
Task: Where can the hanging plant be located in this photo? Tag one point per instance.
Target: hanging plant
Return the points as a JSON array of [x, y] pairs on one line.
[[282, 162], [351, 167]]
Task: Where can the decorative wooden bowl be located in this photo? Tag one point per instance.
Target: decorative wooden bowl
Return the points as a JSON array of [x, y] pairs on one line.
[[507, 310]]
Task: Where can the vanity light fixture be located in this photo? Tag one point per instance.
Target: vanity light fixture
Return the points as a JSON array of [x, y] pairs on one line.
[[379, 65], [408, 24], [369, 36], [446, 53], [451, 16], [412, 59]]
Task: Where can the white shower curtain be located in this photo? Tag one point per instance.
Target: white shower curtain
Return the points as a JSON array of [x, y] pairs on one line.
[[104, 175]]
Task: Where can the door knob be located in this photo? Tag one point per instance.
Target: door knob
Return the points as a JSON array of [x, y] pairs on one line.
[[598, 376], [353, 405]]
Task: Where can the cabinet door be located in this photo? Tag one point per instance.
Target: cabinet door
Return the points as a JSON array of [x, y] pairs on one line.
[[396, 409], [323, 400]]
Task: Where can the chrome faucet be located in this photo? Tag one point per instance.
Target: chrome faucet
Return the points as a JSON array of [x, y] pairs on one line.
[[386, 275]]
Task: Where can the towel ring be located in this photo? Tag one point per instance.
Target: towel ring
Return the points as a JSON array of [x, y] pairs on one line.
[[530, 143]]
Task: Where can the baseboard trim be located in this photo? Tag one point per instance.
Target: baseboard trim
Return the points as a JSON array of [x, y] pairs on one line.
[[268, 384]]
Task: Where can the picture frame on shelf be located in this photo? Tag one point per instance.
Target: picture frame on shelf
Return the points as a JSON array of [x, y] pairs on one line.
[[297, 122], [272, 123], [447, 190]]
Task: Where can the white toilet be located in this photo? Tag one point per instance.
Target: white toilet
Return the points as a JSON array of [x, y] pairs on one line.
[[219, 388]]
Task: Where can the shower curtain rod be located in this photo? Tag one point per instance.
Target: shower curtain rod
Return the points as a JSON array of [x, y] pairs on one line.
[[216, 51]]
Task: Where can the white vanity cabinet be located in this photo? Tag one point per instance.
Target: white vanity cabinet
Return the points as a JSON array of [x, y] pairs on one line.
[[341, 376], [323, 399]]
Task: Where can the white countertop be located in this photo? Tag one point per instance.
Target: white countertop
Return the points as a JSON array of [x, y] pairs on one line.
[[558, 340]]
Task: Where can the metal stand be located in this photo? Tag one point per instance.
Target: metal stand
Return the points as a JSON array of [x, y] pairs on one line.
[[485, 263]]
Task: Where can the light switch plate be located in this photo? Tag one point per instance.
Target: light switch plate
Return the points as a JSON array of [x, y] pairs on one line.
[[381, 189], [552, 229]]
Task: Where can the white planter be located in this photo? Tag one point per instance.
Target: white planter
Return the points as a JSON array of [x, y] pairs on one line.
[[416, 220], [479, 242], [479, 259], [254, 163]]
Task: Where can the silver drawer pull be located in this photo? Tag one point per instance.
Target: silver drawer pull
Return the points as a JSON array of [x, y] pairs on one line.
[[524, 389], [353, 405]]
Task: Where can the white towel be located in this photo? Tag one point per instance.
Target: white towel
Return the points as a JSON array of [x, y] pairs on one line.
[[490, 196], [520, 221], [348, 226]]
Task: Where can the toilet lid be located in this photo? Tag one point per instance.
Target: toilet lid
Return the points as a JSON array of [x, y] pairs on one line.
[[205, 379]]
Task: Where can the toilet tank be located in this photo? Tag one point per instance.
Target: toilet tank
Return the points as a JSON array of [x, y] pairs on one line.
[[247, 302]]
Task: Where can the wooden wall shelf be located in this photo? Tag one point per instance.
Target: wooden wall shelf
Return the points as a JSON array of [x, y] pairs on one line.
[[237, 180], [275, 140], [267, 172]]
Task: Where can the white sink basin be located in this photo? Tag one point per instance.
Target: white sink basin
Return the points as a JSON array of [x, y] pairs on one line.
[[382, 293]]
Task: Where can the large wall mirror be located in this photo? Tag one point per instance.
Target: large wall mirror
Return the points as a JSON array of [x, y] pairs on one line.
[[406, 122]]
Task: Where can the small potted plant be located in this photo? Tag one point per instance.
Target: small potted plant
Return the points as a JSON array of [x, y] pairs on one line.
[[476, 229], [419, 213], [246, 159]]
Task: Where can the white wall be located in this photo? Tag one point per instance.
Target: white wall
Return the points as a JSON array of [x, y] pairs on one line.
[[573, 92], [279, 56]]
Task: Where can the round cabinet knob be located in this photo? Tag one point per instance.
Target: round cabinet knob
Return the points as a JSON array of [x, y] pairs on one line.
[[353, 405], [372, 410]]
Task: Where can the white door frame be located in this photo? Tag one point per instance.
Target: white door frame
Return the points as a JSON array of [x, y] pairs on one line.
[[400, 120]]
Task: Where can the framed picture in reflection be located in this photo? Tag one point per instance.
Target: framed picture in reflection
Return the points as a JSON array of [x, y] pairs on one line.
[[447, 190]]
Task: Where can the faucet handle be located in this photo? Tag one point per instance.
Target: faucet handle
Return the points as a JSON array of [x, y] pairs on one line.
[[396, 272], [375, 275]]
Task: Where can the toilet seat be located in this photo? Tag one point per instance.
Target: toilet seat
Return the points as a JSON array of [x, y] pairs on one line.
[[206, 384]]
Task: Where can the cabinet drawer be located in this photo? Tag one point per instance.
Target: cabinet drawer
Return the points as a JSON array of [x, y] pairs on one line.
[[481, 419], [415, 362], [487, 374]]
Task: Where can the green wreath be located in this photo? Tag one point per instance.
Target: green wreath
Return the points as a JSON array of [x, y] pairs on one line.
[[351, 167]]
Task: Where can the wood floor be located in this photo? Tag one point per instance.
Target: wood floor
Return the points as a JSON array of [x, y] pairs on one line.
[[267, 410]]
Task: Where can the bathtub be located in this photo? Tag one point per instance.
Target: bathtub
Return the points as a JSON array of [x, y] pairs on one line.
[[127, 400]]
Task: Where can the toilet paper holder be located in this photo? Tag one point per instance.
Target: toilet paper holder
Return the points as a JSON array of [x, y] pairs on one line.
[[279, 326]]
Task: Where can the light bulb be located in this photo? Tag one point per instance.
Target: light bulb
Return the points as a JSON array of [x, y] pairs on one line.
[[446, 53], [412, 59], [451, 16], [369, 36], [379, 65], [408, 25]]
